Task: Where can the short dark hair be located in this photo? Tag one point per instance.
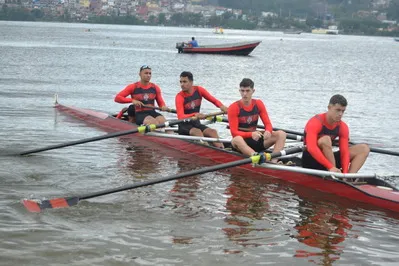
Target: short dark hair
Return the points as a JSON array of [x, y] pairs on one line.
[[338, 99], [192, 38], [144, 67], [245, 82], [187, 74]]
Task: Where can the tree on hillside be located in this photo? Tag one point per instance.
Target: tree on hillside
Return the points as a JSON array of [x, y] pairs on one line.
[[393, 10]]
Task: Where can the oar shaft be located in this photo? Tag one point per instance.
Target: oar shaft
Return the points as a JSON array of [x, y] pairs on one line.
[[37, 206], [384, 151], [141, 129], [253, 159], [316, 172], [183, 137], [289, 136], [275, 128], [170, 110], [71, 143], [173, 177], [376, 150]]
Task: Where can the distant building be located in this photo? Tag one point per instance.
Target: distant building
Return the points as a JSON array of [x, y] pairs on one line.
[[380, 3], [382, 16], [84, 3], [390, 22], [269, 14]]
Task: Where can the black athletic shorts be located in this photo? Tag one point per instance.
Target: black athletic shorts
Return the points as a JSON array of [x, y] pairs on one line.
[[309, 162], [257, 146], [184, 128], [131, 110], [140, 116]]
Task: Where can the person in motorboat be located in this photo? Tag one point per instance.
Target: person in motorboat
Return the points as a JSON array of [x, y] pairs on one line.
[[143, 93], [188, 104], [320, 133], [243, 120], [193, 43]]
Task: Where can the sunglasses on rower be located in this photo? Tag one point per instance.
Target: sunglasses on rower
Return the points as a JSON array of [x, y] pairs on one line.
[[144, 67]]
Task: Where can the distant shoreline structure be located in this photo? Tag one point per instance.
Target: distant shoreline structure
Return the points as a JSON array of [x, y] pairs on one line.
[[331, 30]]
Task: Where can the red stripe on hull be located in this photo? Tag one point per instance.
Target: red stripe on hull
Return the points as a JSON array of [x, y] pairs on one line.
[[369, 194]]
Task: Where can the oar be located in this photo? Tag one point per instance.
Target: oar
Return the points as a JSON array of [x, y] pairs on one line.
[[183, 137], [140, 129], [37, 205], [289, 136], [224, 119], [124, 110], [376, 150], [170, 110]]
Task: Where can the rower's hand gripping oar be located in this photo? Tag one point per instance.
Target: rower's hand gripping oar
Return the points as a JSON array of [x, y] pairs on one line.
[[170, 110], [124, 110], [140, 129], [37, 206], [291, 135]]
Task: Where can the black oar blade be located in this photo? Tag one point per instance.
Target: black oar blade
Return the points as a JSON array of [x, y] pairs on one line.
[[38, 206]]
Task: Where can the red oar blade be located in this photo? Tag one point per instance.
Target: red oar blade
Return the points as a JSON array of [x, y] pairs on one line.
[[38, 206]]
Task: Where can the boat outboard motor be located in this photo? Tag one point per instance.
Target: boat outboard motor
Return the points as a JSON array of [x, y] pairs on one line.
[[179, 46]]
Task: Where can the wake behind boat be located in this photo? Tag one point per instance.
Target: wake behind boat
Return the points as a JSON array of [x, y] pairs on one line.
[[365, 188], [240, 48]]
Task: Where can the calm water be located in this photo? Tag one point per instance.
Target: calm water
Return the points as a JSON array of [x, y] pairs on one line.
[[224, 218]]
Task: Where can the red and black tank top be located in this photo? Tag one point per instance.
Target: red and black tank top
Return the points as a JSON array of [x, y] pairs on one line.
[[146, 96], [325, 131], [192, 103], [248, 119]]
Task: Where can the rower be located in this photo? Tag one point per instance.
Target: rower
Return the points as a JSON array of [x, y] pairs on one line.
[[188, 104], [143, 93], [320, 132], [245, 114]]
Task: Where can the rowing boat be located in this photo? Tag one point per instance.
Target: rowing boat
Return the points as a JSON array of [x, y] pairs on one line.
[[241, 48], [367, 189]]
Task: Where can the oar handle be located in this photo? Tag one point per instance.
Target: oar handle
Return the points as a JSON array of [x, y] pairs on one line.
[[289, 136], [224, 119], [214, 114], [170, 110]]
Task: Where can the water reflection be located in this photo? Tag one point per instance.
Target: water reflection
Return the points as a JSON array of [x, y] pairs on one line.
[[323, 226], [247, 205]]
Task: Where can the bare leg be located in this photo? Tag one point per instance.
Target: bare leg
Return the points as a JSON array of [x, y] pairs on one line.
[[358, 155], [196, 132], [325, 145], [149, 120], [240, 144], [160, 119], [210, 132], [278, 140]]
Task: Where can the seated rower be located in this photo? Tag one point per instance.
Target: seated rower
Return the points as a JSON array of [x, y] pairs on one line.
[[143, 93], [320, 132], [188, 104], [243, 120]]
